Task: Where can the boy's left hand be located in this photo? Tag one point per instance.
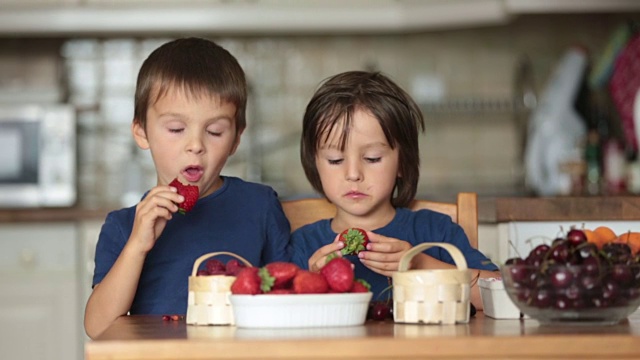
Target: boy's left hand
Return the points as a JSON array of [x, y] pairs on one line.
[[383, 253]]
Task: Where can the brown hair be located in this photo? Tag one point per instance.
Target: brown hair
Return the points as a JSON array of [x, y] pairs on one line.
[[338, 98], [199, 67]]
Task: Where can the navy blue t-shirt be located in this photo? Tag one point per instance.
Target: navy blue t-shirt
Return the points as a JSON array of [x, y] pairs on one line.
[[414, 227], [241, 217]]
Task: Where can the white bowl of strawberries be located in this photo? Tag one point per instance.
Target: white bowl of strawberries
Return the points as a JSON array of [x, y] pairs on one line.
[[281, 295]]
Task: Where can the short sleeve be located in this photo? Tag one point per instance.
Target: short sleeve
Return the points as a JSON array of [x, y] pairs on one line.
[[111, 241]]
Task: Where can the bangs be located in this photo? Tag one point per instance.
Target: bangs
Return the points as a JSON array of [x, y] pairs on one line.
[[192, 88], [339, 118]]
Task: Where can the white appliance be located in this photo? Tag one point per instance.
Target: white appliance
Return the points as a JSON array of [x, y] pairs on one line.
[[38, 155]]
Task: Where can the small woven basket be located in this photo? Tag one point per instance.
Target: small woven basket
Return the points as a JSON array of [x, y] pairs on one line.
[[208, 301], [431, 296]]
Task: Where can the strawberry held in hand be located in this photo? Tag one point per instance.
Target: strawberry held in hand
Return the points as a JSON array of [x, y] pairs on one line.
[[355, 240], [191, 194]]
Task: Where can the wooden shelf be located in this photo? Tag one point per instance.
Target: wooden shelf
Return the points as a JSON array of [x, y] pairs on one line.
[[618, 208]]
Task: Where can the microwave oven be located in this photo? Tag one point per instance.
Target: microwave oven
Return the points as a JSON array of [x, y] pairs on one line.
[[38, 155]]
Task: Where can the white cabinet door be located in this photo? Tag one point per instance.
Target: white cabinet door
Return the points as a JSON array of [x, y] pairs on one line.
[[39, 304], [38, 317]]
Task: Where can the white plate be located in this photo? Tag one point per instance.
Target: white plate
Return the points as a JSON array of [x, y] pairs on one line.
[[300, 310]]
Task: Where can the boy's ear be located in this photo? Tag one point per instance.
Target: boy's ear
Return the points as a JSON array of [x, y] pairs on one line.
[[139, 135]]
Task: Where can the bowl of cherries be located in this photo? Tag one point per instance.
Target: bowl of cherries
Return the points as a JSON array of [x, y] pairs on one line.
[[573, 281]]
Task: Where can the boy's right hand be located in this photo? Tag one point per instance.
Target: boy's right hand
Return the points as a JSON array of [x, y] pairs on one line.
[[319, 258], [152, 214]]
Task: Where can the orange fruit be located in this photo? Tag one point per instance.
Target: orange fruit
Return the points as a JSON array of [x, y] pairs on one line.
[[632, 239], [605, 233], [594, 238]]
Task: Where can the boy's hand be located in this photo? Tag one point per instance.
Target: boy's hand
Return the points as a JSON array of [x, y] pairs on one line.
[[152, 214], [319, 258], [383, 253]]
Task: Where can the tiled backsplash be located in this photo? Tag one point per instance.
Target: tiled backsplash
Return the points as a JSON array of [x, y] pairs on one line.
[[462, 150]]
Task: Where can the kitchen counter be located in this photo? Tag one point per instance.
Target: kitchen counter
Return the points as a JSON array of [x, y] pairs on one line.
[[51, 214], [491, 210], [149, 337]]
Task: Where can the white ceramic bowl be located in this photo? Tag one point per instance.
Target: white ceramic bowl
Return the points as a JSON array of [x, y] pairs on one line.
[[300, 310]]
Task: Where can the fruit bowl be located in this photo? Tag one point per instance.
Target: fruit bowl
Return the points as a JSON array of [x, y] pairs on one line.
[[566, 294], [300, 310], [572, 281]]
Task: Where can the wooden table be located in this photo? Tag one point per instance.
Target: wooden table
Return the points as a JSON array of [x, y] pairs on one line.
[[148, 337]]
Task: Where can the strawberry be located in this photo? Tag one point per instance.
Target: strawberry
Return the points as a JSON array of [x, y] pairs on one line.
[[215, 267], [234, 267], [280, 292], [355, 240], [307, 282], [360, 286], [247, 282], [202, 273], [282, 272], [190, 193], [339, 274]]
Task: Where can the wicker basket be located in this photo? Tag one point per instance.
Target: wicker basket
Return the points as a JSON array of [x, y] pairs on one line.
[[208, 302], [431, 296]]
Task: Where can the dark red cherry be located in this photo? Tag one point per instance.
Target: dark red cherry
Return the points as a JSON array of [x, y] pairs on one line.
[[560, 252], [542, 298], [380, 311], [576, 237], [540, 250], [514, 261], [621, 274], [561, 277], [591, 266], [520, 274]]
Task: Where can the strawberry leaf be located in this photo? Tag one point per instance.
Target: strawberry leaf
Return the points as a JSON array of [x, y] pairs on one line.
[[364, 283], [267, 280]]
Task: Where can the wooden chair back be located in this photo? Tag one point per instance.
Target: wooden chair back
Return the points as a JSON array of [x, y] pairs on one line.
[[464, 212]]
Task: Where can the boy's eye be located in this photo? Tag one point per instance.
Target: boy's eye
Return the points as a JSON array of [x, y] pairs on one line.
[[334, 161], [373, 159], [176, 130], [215, 133]]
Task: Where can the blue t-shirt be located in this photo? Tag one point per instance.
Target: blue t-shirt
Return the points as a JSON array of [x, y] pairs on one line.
[[414, 227], [241, 217]]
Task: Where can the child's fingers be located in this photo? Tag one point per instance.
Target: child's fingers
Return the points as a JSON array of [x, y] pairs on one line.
[[385, 244], [336, 239], [319, 258], [384, 268], [377, 238], [162, 196]]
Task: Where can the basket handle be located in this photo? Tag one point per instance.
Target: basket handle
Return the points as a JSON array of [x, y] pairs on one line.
[[204, 257], [455, 253]]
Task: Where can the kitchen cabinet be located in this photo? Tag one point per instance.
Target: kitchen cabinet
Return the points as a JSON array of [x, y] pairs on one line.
[[518, 238], [34, 3], [261, 17], [523, 223], [39, 304]]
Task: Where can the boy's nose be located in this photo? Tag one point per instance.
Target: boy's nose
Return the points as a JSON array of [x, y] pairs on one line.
[[354, 172], [195, 145]]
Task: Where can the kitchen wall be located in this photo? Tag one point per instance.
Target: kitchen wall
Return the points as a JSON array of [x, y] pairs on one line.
[[463, 78]]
